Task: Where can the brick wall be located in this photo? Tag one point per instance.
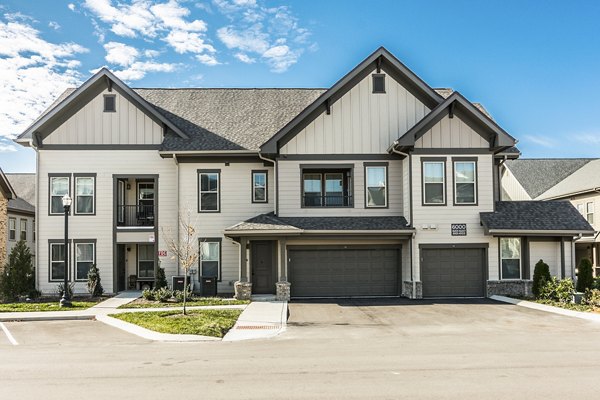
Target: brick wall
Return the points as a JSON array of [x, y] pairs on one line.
[[3, 229]]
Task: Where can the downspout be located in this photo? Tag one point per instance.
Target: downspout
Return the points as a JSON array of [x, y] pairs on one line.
[[37, 219], [176, 161], [276, 185]]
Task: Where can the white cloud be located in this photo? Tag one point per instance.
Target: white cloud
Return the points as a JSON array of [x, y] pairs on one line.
[[172, 16], [280, 58], [151, 53], [7, 148], [540, 140], [207, 60], [34, 73], [244, 58], [54, 25], [138, 70], [588, 138], [251, 39], [188, 42], [71, 6], [120, 53]]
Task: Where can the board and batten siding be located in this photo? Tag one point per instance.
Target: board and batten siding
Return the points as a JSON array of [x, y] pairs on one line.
[[290, 190], [91, 125], [360, 122], [236, 206], [512, 190], [100, 226], [442, 217], [451, 133], [550, 253]]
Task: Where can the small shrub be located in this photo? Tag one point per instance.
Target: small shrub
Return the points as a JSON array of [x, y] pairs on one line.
[[164, 294], [179, 294], [94, 286], [596, 283], [161, 279], [60, 288], [17, 277], [149, 294], [585, 275], [541, 275], [34, 294], [560, 290], [592, 298]]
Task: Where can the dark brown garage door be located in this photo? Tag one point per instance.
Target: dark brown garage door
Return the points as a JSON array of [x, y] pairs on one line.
[[343, 272], [452, 272]]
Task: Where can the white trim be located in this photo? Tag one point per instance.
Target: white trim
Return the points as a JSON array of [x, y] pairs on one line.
[[538, 232]]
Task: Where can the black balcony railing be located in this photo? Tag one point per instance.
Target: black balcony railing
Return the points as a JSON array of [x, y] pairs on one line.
[[328, 200], [136, 215]]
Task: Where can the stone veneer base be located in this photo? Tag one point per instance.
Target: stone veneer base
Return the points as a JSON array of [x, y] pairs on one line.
[[518, 288], [243, 290], [412, 291], [283, 291]]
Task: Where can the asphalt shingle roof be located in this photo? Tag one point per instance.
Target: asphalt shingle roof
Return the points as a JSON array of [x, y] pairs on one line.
[[538, 175], [271, 222], [24, 186], [535, 216]]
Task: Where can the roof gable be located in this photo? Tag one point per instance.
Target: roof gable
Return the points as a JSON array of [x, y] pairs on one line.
[[381, 58], [6, 187]]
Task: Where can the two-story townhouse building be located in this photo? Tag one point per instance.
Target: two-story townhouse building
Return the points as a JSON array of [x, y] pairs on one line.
[[572, 179], [21, 211], [7, 193], [377, 186]]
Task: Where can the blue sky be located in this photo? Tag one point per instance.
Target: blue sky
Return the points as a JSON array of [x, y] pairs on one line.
[[534, 65]]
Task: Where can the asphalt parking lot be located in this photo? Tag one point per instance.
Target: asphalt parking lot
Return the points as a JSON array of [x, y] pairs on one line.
[[345, 349]]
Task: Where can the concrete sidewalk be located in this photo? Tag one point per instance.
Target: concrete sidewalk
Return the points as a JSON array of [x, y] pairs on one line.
[[260, 320]]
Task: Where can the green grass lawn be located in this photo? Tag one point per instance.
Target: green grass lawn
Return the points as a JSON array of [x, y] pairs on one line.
[[199, 301], [49, 305], [568, 306], [214, 323]]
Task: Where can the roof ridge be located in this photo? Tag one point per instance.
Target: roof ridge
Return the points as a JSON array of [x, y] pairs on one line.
[[226, 88]]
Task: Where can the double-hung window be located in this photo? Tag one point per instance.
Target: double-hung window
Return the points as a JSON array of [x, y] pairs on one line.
[[465, 182], [589, 212], [376, 186], [510, 258], [23, 230], [209, 190], [434, 182], [260, 187], [84, 194], [145, 261], [210, 258], [12, 229], [57, 261], [59, 186], [84, 259]]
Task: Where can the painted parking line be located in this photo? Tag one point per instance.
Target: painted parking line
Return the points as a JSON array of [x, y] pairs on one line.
[[9, 335]]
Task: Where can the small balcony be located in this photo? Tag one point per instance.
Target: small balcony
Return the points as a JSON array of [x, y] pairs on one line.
[[136, 216], [326, 200]]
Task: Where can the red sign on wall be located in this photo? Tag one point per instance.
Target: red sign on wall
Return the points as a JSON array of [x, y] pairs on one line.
[[162, 253]]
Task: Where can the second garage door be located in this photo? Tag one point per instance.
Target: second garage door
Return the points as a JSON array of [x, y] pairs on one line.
[[343, 272], [452, 272]]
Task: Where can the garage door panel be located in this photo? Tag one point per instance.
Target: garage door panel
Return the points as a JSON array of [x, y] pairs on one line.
[[452, 272], [344, 272]]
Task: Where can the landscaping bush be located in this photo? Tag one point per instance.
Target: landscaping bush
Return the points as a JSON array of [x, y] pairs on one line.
[[558, 290], [161, 279], [17, 278], [60, 288], [149, 294], [585, 275], [34, 294], [94, 286], [179, 294], [596, 283], [541, 275], [592, 298], [163, 294]]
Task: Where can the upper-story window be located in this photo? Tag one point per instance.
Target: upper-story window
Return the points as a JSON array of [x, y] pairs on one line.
[[209, 190], [326, 187], [23, 231], [589, 212], [110, 103], [465, 182], [84, 194], [376, 186], [259, 187], [59, 186], [12, 229], [434, 183], [580, 208], [378, 83]]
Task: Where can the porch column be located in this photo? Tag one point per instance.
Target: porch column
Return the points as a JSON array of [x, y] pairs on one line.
[[282, 265], [594, 258], [243, 260], [562, 258]]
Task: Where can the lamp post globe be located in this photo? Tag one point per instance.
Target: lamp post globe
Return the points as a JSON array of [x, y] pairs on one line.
[[65, 301]]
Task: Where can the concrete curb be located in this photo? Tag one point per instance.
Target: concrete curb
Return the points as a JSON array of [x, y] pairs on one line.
[[546, 308], [151, 335], [32, 318], [149, 309], [248, 328]]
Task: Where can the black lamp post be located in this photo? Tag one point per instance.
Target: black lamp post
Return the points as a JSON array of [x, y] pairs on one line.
[[65, 301]]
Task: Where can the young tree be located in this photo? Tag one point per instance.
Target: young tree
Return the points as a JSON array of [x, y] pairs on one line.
[[94, 286], [17, 278], [541, 275], [187, 249], [585, 275]]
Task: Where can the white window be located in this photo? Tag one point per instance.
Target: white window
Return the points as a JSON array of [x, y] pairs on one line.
[[434, 183], [589, 208], [209, 187], [210, 258], [59, 186], [84, 195], [465, 182], [259, 187], [84, 258], [57, 261], [12, 229], [376, 181], [23, 230], [145, 260], [510, 258]]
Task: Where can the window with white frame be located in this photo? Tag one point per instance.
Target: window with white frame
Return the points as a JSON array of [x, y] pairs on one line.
[[209, 190], [12, 229], [210, 258], [59, 186], [376, 182], [510, 258], [57, 261], [23, 229], [434, 183], [259, 187], [84, 259], [84, 194], [145, 261], [589, 212], [465, 182]]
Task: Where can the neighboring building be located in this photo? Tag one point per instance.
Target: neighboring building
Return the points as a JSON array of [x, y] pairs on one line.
[[21, 211], [573, 179], [7, 193], [377, 186]]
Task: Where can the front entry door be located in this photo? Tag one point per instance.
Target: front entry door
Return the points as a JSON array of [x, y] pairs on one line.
[[121, 261], [263, 267]]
